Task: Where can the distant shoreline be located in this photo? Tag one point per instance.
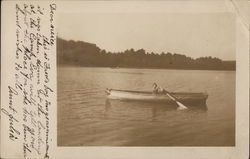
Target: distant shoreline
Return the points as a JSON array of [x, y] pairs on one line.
[[84, 54], [62, 65]]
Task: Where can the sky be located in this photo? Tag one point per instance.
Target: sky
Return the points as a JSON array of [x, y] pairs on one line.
[[192, 34]]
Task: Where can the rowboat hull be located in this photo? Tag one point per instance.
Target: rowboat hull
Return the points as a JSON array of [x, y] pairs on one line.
[[184, 97]]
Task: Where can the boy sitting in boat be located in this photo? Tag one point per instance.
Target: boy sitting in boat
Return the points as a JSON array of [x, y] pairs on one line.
[[158, 90]]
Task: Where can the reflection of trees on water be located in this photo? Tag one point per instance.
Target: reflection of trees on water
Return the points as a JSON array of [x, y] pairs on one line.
[[157, 109]]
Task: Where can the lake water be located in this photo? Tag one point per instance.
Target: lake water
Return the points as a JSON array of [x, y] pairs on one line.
[[86, 118]]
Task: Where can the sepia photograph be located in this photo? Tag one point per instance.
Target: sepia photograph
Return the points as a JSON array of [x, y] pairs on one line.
[[145, 78], [125, 79]]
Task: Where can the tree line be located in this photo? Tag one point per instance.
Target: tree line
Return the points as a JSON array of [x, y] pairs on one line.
[[79, 53]]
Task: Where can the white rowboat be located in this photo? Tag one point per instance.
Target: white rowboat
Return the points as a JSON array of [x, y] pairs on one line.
[[183, 97]]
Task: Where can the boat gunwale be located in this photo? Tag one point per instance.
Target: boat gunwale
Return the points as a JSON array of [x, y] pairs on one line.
[[174, 93]]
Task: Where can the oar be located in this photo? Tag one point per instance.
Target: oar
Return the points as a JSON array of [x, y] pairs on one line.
[[181, 106]]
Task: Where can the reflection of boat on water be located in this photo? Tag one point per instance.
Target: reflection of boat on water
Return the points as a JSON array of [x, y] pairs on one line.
[[158, 106], [115, 67], [184, 97], [156, 109]]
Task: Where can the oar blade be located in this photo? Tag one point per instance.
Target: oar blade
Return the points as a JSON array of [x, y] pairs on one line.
[[181, 106]]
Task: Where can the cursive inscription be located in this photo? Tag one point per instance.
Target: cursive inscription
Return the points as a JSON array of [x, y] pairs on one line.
[[30, 95]]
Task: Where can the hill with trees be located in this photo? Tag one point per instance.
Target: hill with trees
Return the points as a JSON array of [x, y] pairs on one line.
[[79, 53]]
